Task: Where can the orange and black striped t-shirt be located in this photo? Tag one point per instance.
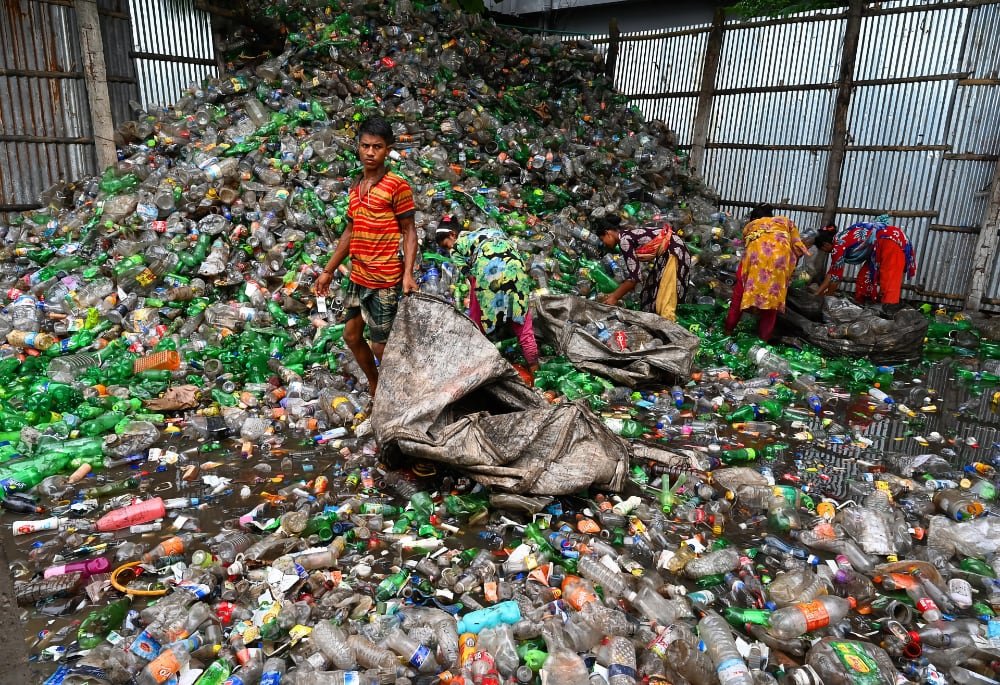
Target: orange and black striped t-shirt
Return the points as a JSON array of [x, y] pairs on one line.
[[374, 250]]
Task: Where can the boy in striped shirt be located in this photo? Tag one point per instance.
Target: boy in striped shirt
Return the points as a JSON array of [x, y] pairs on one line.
[[380, 214]]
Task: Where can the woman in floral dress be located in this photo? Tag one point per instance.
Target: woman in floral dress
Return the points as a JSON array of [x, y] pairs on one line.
[[771, 248], [498, 282]]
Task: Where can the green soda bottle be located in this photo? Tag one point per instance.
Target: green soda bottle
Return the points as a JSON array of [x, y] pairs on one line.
[[101, 622], [422, 504], [743, 455], [113, 488], [740, 616], [216, 673], [102, 424], [626, 428], [391, 585]]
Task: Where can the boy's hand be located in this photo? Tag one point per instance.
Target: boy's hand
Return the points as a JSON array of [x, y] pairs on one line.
[[409, 285], [322, 286]]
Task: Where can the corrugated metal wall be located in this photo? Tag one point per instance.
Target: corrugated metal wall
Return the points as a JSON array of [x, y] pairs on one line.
[[923, 133], [45, 125], [173, 48], [45, 129]]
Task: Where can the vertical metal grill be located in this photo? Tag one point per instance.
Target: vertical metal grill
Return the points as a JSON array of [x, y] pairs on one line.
[[173, 48]]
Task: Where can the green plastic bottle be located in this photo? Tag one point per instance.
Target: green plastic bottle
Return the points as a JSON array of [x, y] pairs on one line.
[[594, 270], [626, 428], [113, 488], [422, 504], [740, 616], [983, 377], [216, 673], [100, 622], [391, 585], [738, 456], [977, 566], [102, 424]]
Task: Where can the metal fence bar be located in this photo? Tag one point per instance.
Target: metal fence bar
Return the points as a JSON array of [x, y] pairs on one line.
[[838, 135], [703, 113]]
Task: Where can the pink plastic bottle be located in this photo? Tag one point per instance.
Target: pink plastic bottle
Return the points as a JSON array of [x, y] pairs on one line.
[[88, 567], [132, 515]]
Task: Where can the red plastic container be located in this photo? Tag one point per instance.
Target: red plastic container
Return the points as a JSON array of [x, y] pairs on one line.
[[132, 515]]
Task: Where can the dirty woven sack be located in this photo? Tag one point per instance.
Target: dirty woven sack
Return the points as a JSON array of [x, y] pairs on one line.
[[175, 399], [557, 320], [445, 394], [853, 331]]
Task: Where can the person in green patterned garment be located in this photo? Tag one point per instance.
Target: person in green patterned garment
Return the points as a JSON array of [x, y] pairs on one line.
[[498, 282]]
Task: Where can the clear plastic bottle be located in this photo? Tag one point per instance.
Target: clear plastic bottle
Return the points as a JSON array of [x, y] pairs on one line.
[[652, 605], [768, 362], [683, 655], [721, 647], [621, 669], [849, 583], [94, 292], [562, 666], [24, 314], [331, 640], [958, 505], [417, 655], [612, 582], [499, 642], [799, 619], [274, 670], [337, 678], [833, 661], [431, 281], [714, 563], [829, 538], [797, 585], [172, 660], [578, 592], [231, 545], [371, 655]]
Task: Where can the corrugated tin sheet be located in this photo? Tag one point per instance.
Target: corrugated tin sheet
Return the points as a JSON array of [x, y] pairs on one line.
[[663, 69], [749, 118], [44, 124], [116, 35], [775, 176], [173, 46], [45, 130], [782, 53], [773, 108], [919, 42]]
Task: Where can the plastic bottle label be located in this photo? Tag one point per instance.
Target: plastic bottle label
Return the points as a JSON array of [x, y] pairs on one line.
[[271, 678], [164, 667], [621, 670], [145, 647], [145, 278], [815, 614], [419, 656], [233, 680], [12, 485], [82, 671], [352, 678], [733, 671], [199, 590], [863, 670]]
